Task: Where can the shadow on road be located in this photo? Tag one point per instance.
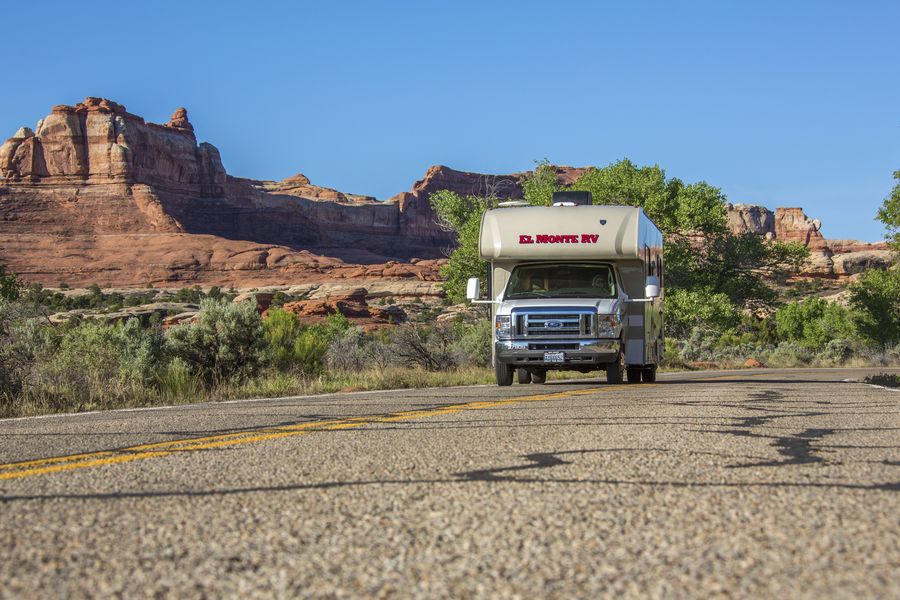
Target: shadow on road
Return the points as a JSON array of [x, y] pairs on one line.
[[499, 475]]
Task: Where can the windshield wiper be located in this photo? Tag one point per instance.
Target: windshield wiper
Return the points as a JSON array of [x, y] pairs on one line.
[[526, 295]]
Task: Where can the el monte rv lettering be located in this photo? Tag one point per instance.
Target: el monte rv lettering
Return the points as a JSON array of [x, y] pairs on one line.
[[542, 238]]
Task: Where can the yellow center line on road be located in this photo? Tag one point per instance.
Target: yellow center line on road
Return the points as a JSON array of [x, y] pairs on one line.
[[56, 464]]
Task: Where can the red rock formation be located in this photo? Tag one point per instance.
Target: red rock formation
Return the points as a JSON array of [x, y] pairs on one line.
[[792, 225], [351, 304], [827, 258], [95, 169]]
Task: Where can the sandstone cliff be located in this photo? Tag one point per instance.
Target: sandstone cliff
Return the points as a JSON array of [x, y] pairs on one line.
[[96, 194], [827, 258]]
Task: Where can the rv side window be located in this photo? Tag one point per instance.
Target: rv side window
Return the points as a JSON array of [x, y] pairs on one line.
[[561, 280]]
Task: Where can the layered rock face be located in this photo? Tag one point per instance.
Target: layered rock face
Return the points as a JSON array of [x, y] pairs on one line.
[[96, 194], [828, 258]]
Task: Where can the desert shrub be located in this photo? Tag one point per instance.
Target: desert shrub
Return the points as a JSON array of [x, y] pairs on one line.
[[281, 330], [789, 354], [10, 286], [885, 379], [698, 345], [94, 362], [430, 347], [473, 343], [226, 341], [355, 350], [309, 351], [349, 351], [835, 352], [176, 380]]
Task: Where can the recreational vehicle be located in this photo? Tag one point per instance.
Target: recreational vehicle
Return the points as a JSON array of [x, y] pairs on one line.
[[572, 286]]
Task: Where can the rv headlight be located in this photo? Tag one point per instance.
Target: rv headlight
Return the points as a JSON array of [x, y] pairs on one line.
[[501, 326], [608, 326]]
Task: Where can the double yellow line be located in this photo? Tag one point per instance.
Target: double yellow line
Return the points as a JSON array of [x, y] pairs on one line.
[[57, 464]]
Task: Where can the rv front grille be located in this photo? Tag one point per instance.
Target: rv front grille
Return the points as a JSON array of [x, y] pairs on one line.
[[555, 325]]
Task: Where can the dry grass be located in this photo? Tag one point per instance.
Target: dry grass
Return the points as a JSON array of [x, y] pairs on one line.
[[268, 385]]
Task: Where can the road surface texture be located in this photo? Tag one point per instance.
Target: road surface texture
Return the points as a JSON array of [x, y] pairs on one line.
[[754, 484]]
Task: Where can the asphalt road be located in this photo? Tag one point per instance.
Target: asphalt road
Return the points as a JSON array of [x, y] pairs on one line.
[[742, 484]]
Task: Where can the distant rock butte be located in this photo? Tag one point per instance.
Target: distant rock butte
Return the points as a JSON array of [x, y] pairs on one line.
[[95, 194], [827, 258]]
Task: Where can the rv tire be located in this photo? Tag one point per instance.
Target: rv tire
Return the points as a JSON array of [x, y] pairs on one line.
[[538, 377], [523, 375], [615, 371], [634, 374], [503, 373], [648, 374]]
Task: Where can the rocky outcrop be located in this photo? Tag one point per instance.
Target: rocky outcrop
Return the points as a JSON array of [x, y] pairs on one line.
[[827, 258], [792, 225], [851, 263], [751, 218], [351, 304]]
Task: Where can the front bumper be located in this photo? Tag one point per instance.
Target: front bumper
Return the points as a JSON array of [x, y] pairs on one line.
[[522, 353]]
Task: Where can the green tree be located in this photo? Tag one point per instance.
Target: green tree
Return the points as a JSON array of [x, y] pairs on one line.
[[461, 215], [813, 323], [889, 214], [689, 309], [876, 298], [538, 185]]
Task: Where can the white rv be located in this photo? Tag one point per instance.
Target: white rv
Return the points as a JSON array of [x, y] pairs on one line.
[[573, 286]]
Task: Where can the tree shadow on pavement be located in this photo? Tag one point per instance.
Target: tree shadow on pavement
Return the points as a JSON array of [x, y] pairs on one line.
[[516, 474]]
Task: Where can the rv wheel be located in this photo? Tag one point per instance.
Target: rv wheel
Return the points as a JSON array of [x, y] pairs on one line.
[[648, 374], [523, 375], [634, 374], [503, 373], [615, 371], [538, 376]]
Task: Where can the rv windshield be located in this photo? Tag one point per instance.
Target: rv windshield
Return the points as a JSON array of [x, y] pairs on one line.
[[556, 280]]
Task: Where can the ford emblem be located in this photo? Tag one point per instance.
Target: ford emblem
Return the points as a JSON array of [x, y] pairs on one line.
[[553, 324]]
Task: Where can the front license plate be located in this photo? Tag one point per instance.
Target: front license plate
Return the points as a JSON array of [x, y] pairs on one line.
[[554, 357]]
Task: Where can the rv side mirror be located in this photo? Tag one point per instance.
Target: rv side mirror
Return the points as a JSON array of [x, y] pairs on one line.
[[473, 289], [652, 289]]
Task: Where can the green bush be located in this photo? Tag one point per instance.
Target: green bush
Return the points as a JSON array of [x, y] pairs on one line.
[[281, 330], [473, 343], [789, 354], [225, 342], [294, 346], [92, 363], [309, 351], [813, 323]]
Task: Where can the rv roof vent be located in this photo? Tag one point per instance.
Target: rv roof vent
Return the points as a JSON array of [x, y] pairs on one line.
[[508, 203], [572, 199]]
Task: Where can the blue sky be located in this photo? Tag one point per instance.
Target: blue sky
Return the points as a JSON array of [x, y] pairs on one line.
[[777, 103]]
